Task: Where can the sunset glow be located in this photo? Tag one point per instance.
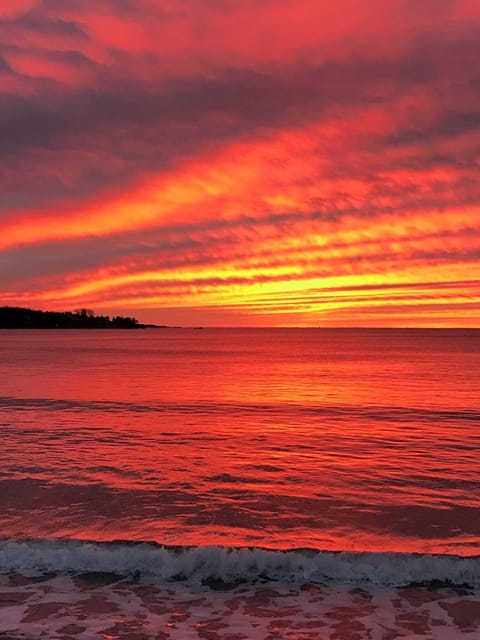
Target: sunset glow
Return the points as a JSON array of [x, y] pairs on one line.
[[287, 163]]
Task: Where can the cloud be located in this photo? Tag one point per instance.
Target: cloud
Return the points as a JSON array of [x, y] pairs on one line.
[[448, 125], [47, 27], [191, 145], [125, 129]]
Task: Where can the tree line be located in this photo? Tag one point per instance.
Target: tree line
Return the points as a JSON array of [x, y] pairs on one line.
[[22, 318]]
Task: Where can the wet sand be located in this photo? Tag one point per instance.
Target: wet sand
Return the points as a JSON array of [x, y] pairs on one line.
[[103, 605]]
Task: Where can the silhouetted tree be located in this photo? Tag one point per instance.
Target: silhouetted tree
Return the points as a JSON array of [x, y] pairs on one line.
[[22, 318]]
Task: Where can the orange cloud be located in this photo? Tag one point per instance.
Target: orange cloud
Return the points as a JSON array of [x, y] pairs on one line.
[[274, 161]]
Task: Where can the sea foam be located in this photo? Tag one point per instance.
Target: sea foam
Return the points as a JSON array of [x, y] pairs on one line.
[[156, 562]]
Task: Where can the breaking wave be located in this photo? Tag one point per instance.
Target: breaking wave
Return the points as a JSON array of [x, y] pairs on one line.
[[151, 561]]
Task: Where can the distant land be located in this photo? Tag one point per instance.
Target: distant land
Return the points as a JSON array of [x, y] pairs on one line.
[[22, 318]]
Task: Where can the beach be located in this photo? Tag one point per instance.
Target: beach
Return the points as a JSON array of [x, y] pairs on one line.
[[102, 605], [237, 484]]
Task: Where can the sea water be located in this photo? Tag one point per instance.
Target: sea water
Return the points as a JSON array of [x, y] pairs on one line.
[[255, 483]]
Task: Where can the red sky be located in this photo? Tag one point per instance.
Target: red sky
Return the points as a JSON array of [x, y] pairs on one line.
[[253, 162]]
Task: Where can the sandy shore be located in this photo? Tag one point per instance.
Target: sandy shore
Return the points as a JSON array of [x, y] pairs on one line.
[[98, 605]]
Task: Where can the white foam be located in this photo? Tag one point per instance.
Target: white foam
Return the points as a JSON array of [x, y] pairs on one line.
[[160, 563]]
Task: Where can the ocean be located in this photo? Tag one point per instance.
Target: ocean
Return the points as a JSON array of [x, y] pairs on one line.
[[301, 484]]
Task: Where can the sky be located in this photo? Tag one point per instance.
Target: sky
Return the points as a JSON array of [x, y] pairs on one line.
[[242, 162]]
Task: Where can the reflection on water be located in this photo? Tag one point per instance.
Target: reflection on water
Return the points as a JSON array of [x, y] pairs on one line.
[[335, 439]]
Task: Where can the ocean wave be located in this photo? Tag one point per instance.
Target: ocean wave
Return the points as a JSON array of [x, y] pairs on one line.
[[371, 412], [152, 561]]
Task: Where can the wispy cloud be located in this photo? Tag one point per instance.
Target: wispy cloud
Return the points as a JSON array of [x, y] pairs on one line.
[[285, 162]]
